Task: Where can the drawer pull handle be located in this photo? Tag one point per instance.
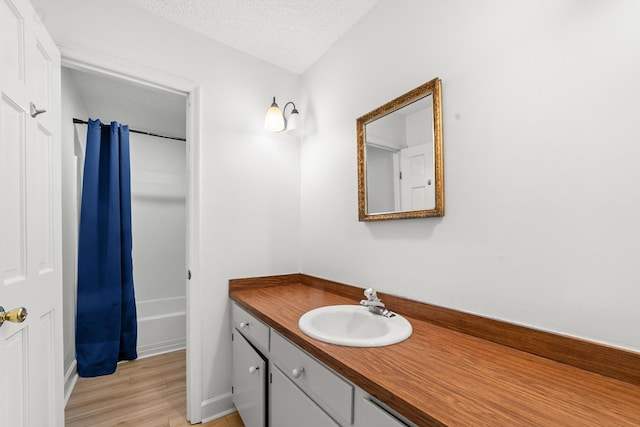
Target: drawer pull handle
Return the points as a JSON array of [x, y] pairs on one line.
[[244, 325], [253, 369], [297, 372]]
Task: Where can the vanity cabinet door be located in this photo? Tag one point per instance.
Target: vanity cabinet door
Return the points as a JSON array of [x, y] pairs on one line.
[[290, 407], [249, 382], [373, 415]]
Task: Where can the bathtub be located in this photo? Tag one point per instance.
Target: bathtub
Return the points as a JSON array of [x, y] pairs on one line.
[[162, 325]]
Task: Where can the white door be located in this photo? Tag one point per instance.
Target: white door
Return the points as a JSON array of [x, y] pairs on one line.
[[418, 176], [31, 377]]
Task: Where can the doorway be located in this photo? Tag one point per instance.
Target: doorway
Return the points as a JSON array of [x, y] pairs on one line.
[[162, 201]]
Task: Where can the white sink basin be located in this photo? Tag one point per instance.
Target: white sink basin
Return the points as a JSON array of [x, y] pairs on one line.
[[354, 326]]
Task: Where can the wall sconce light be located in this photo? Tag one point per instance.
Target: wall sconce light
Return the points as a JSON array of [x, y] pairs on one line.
[[276, 121]]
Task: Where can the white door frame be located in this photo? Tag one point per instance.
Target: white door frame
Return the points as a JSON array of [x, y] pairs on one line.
[[84, 60]]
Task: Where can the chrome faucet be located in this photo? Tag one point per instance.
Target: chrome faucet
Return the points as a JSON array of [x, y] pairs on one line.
[[374, 304]]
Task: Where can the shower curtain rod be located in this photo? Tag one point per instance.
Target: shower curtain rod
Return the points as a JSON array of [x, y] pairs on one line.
[[78, 121]]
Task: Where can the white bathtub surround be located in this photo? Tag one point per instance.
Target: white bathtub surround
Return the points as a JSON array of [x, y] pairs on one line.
[[161, 326]]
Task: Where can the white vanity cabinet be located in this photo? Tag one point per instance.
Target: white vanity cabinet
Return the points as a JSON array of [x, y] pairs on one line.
[[253, 329], [330, 391], [250, 346], [249, 382], [301, 390], [369, 413], [290, 407]]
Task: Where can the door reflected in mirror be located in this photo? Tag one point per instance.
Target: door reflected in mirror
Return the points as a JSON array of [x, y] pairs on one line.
[[400, 157]]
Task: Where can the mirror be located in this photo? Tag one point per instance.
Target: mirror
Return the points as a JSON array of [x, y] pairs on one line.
[[400, 164]]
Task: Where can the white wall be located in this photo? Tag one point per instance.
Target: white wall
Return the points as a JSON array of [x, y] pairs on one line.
[[381, 180], [420, 127], [250, 194], [71, 107], [541, 149], [388, 131]]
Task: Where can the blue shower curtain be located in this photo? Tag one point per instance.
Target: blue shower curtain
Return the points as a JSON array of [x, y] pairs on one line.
[[106, 325]]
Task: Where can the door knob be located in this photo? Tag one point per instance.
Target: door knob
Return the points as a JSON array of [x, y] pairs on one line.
[[34, 111], [17, 315]]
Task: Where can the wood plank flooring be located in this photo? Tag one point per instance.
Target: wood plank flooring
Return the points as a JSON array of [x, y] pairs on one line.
[[149, 392]]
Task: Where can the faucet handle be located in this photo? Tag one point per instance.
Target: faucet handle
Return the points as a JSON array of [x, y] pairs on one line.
[[371, 294]]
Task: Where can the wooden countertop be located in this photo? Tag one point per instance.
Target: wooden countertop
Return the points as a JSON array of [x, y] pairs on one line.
[[440, 376]]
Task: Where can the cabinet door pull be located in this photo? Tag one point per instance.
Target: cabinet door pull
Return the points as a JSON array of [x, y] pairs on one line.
[[253, 369], [297, 372], [244, 325]]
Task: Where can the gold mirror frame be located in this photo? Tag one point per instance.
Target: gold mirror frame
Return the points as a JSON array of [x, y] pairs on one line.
[[434, 88]]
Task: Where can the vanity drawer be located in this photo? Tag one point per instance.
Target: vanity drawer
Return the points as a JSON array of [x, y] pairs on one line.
[[253, 329], [330, 391]]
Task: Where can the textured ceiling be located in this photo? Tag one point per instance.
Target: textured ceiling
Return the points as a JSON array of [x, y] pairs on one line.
[[292, 34]]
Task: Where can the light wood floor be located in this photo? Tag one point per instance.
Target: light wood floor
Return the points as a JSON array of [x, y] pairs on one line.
[[147, 392]]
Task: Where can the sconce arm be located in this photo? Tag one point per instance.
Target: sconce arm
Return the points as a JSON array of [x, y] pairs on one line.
[[294, 111]]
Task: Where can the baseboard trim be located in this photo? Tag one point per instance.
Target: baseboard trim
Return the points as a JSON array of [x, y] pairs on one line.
[[70, 380], [217, 407], [161, 348]]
